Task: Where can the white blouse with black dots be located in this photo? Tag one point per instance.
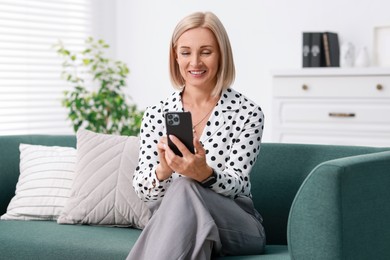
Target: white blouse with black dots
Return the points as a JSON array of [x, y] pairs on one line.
[[231, 138]]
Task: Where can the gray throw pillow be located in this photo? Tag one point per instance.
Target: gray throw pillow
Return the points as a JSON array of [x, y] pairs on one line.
[[102, 191]]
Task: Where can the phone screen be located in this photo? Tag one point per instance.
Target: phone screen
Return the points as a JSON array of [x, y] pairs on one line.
[[179, 124]]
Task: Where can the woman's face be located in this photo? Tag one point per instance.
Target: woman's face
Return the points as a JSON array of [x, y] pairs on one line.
[[197, 55]]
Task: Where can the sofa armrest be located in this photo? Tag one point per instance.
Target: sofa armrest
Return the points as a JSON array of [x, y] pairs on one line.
[[342, 210]]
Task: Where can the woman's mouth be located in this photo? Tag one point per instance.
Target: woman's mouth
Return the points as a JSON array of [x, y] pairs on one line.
[[197, 72]]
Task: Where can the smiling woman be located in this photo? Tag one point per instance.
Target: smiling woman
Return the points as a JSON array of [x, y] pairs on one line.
[[201, 201], [218, 40], [198, 58]]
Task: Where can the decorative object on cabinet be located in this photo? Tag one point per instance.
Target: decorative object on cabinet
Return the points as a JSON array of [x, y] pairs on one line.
[[332, 106], [382, 46], [362, 58], [320, 49], [347, 58]]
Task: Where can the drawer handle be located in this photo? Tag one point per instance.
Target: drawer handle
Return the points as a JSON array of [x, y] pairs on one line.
[[305, 87], [379, 87], [342, 114]]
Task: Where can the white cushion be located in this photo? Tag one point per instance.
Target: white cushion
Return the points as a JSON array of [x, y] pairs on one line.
[[102, 191], [45, 181]]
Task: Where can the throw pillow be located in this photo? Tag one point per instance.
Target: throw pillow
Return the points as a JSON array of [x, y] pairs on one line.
[[102, 191], [45, 181]]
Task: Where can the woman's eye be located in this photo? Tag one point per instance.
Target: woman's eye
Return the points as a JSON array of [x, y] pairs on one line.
[[185, 53], [206, 52]]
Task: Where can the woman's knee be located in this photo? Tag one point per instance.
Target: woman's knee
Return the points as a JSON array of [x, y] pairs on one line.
[[184, 188], [183, 183]]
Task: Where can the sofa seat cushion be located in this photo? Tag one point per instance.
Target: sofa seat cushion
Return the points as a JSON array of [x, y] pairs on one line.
[[48, 240]]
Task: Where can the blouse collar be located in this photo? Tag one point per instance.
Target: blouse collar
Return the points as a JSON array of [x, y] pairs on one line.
[[230, 100]]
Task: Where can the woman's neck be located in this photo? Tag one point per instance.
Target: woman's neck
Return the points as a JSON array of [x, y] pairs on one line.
[[192, 97]]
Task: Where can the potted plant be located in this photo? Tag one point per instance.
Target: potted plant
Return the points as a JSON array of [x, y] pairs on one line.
[[97, 101]]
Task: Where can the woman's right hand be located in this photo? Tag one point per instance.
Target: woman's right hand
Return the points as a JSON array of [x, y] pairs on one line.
[[163, 171]]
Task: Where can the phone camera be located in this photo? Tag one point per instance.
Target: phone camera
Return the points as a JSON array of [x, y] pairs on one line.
[[173, 119]]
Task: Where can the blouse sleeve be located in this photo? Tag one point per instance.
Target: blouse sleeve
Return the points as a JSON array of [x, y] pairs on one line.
[[234, 180], [145, 182]]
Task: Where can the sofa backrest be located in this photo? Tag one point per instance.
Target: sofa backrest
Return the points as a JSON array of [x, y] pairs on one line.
[[9, 160], [278, 174]]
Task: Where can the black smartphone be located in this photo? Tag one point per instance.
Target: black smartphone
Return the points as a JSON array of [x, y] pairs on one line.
[[179, 124]]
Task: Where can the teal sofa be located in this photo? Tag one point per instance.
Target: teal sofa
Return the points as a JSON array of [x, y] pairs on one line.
[[317, 201]]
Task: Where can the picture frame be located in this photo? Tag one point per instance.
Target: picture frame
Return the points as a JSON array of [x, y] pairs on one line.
[[381, 46]]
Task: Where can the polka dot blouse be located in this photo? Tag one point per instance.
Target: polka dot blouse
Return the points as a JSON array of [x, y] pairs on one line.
[[231, 138]]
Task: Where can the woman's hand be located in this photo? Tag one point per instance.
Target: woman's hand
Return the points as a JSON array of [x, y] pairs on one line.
[[163, 171], [191, 165]]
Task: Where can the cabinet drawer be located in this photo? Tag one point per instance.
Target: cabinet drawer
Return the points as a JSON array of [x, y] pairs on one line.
[[333, 86], [345, 114]]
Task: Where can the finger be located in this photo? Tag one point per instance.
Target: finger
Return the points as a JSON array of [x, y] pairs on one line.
[[163, 140], [182, 148], [162, 144], [198, 147], [172, 160], [169, 153]]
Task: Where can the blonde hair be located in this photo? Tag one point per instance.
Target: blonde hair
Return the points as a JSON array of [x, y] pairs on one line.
[[226, 70]]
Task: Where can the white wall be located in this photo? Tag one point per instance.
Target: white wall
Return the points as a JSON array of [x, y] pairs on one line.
[[265, 35]]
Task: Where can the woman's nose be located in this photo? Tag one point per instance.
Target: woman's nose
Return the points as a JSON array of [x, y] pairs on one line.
[[195, 60]]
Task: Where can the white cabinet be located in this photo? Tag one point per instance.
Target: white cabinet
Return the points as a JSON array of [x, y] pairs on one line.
[[332, 106]]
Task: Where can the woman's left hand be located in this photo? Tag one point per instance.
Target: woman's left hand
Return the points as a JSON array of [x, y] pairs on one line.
[[191, 165]]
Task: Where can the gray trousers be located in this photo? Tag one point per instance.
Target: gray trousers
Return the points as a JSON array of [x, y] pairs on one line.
[[193, 222]]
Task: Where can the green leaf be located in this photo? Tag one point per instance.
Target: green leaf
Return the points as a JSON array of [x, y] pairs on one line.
[[105, 110]]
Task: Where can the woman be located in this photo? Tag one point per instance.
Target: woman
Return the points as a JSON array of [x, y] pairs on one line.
[[201, 202]]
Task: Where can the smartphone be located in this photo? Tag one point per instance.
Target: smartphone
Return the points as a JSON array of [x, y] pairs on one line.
[[179, 124]]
